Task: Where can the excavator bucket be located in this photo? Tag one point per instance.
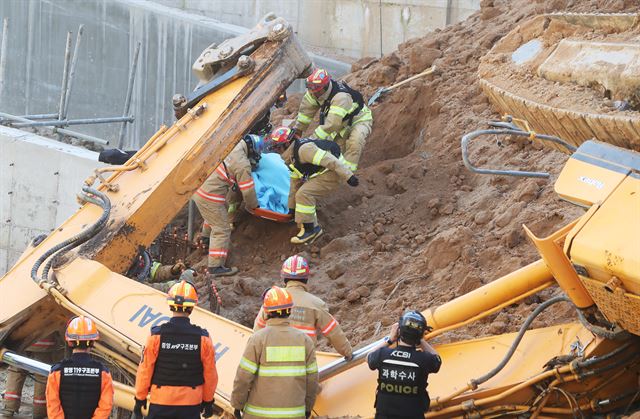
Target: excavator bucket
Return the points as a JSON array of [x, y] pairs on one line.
[[575, 76]]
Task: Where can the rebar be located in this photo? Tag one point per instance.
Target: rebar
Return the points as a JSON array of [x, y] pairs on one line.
[[127, 100]]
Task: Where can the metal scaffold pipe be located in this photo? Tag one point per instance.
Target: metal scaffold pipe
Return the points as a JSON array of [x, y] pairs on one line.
[[65, 76], [127, 100], [72, 72], [80, 136], [3, 52], [65, 123]]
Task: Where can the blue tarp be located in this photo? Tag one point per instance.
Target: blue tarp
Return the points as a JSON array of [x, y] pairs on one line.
[[272, 183]]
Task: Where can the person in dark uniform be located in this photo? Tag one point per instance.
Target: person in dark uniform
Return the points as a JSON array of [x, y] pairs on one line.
[[79, 387], [403, 370], [178, 365]]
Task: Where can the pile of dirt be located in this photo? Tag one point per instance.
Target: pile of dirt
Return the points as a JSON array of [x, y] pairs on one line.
[[420, 229], [523, 79]]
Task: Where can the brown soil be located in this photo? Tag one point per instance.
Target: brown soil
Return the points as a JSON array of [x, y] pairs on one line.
[[420, 229], [523, 80]]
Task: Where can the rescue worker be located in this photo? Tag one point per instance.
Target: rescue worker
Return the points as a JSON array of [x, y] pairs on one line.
[[309, 314], [145, 269], [178, 365], [233, 173], [278, 374], [317, 168], [46, 350], [403, 371], [80, 387], [344, 117]]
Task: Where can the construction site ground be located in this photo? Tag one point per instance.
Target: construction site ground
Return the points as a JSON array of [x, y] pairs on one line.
[[420, 229]]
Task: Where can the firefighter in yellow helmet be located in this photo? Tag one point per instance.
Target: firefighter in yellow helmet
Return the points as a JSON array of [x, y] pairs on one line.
[[317, 168], [344, 117], [80, 387], [278, 374], [178, 365], [309, 314]]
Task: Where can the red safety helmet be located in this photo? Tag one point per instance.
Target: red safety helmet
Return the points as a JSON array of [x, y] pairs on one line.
[[81, 329], [279, 137], [277, 299], [295, 268], [318, 81]]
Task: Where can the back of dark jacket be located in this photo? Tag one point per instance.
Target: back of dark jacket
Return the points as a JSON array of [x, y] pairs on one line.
[[402, 380]]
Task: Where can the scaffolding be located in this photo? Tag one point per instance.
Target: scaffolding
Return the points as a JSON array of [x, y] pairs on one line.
[[59, 120]]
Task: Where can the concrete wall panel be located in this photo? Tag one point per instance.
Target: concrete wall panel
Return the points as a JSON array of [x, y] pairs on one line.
[[39, 181], [355, 28], [171, 40]]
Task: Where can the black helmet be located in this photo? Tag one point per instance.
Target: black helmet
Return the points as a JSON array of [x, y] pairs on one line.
[[412, 327]]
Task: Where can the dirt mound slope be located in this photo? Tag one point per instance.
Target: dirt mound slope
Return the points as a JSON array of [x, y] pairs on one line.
[[420, 229]]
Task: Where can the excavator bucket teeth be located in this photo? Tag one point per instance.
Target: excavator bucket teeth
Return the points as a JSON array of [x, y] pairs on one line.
[[570, 75]]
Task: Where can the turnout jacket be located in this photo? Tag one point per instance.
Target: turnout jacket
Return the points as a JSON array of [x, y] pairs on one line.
[[178, 365], [338, 118], [310, 153], [311, 315], [79, 388], [278, 374], [235, 171]]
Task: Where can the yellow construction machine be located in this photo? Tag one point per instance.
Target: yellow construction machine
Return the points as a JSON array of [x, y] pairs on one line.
[[566, 370]]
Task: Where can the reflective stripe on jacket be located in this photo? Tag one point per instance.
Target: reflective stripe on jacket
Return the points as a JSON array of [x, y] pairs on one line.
[[310, 315], [340, 106], [311, 153], [235, 170], [278, 374]]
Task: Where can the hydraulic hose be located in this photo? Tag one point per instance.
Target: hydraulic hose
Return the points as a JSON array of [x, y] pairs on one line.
[[476, 381], [78, 239], [603, 332], [84, 236]]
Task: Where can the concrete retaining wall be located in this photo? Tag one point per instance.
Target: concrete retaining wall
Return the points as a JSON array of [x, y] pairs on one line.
[[171, 40], [39, 180], [355, 28]]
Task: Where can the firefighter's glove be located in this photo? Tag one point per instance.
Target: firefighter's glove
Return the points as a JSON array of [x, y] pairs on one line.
[[237, 413], [307, 415], [206, 408], [178, 268], [353, 181], [137, 409]]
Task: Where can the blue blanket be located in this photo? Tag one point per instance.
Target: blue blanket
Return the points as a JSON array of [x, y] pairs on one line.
[[272, 183]]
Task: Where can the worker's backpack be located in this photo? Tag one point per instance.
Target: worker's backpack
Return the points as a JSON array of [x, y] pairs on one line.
[[309, 169], [339, 86]]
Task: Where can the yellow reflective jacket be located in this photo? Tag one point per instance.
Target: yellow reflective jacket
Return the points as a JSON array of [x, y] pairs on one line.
[[341, 104], [310, 315], [311, 153], [278, 374]]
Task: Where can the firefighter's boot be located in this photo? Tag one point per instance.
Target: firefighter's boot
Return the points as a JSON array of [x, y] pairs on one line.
[[307, 234], [222, 271]]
